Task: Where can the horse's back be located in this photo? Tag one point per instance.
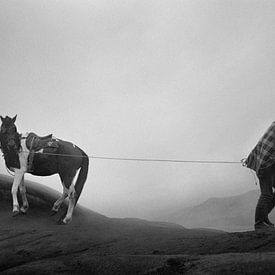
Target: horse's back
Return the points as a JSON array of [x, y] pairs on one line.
[[67, 157], [68, 148]]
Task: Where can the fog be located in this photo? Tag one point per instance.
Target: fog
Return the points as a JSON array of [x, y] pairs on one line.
[[185, 80]]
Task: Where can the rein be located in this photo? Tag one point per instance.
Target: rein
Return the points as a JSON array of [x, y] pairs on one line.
[[11, 156], [7, 168]]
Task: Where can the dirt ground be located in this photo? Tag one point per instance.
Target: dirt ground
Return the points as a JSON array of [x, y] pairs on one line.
[[94, 244]]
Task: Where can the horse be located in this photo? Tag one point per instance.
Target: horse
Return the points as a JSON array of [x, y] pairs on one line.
[[43, 156]]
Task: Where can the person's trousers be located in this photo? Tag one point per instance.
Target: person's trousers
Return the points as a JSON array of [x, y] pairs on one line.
[[266, 200]]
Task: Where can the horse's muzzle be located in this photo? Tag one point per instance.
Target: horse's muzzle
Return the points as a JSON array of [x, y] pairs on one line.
[[11, 144]]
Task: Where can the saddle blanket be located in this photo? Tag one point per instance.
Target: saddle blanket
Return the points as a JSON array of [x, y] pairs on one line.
[[263, 154]]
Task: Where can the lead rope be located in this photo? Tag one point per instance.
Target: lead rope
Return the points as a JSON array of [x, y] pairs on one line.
[[254, 176], [243, 161]]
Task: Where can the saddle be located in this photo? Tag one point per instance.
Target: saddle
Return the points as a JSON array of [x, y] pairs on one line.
[[36, 143], [42, 144]]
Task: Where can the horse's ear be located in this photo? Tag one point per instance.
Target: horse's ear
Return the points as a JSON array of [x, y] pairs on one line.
[[2, 118], [13, 120]]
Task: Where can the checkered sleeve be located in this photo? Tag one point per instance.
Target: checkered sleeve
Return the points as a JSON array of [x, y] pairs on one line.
[[262, 156]]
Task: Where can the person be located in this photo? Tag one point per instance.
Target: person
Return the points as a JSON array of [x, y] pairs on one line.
[[262, 161]]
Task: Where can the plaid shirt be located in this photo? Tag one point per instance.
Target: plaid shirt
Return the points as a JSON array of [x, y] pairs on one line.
[[263, 155]]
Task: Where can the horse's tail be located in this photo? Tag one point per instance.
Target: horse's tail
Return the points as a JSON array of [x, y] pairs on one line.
[[82, 176]]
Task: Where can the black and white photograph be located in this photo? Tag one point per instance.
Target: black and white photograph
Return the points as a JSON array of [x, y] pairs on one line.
[[137, 137]]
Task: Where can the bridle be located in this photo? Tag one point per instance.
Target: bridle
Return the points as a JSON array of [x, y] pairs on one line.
[[10, 139]]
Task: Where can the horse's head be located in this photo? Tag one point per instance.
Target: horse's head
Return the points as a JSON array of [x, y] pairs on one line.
[[8, 134]]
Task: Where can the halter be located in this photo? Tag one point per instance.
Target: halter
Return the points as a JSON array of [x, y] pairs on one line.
[[10, 142]]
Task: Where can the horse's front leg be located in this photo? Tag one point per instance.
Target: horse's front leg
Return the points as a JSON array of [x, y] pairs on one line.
[[22, 189], [16, 182]]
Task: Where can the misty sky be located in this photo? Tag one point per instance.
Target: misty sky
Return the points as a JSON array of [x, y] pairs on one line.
[[190, 80]]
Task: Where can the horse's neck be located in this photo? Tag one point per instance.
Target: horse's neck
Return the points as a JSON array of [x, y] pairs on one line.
[[23, 142], [23, 153]]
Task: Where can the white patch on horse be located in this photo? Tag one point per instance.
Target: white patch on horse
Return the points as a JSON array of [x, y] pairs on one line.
[[23, 155], [22, 189], [19, 177], [71, 195]]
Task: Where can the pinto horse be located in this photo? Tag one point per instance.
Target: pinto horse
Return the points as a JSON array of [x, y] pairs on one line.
[[66, 160]]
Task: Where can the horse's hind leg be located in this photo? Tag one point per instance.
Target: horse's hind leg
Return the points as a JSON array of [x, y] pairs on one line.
[[59, 201], [72, 200], [68, 190], [22, 189]]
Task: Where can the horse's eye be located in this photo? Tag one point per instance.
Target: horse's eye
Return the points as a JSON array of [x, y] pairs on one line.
[[3, 130]]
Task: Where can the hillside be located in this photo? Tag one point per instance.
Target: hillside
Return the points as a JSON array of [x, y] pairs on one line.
[[235, 213], [95, 244]]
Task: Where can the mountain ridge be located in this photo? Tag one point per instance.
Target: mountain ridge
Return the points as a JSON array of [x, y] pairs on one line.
[[232, 213]]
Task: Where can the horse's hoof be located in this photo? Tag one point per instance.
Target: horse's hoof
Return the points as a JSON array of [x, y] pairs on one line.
[[67, 220], [23, 210], [53, 212], [15, 213], [61, 222], [64, 221]]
